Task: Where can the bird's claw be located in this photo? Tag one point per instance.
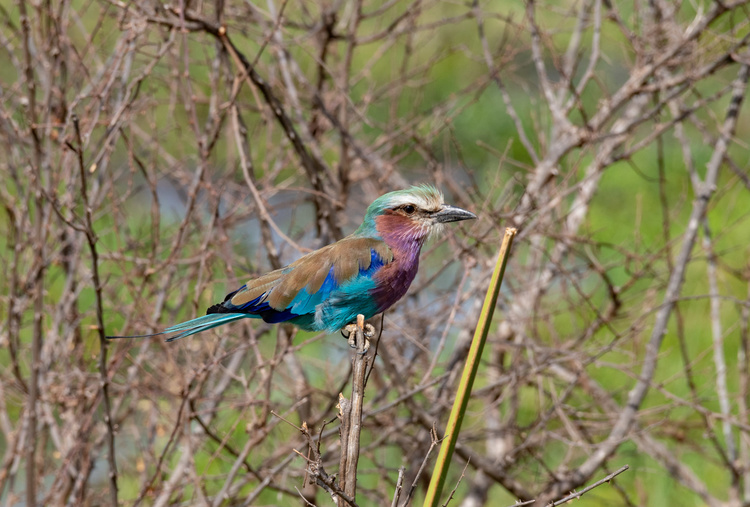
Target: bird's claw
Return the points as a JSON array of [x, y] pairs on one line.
[[350, 333]]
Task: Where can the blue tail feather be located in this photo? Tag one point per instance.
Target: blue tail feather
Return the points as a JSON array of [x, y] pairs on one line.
[[194, 326], [203, 323]]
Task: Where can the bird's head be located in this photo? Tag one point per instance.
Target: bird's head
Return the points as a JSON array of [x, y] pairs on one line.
[[410, 215]]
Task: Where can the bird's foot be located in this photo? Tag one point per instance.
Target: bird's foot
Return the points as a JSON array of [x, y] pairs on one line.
[[350, 333]]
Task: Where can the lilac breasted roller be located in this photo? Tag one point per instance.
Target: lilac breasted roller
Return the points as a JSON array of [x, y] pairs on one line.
[[364, 273]]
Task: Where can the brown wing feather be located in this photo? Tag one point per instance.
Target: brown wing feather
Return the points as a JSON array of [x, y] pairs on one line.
[[346, 257], [257, 287], [319, 277]]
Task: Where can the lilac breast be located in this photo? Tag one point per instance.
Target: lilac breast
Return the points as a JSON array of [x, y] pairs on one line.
[[393, 280]]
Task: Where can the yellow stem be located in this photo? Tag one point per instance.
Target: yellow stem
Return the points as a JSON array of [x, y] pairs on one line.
[[467, 377]]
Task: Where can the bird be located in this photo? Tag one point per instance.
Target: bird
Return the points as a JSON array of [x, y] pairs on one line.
[[363, 273]]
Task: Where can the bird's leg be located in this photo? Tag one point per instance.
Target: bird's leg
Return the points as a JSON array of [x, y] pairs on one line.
[[350, 333]]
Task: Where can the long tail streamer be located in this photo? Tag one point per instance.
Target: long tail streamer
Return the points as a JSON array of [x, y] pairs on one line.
[[191, 326]]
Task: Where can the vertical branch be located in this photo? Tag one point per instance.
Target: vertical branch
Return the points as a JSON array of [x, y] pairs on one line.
[[350, 413], [36, 352], [103, 374], [39, 262], [719, 360]]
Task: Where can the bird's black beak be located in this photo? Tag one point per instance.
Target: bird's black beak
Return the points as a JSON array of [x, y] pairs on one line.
[[452, 214]]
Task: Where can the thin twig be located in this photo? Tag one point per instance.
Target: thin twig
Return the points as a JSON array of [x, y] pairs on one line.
[[399, 486], [434, 441], [458, 483], [578, 494]]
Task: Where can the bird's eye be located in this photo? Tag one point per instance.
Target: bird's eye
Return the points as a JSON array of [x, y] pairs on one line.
[[409, 209]]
